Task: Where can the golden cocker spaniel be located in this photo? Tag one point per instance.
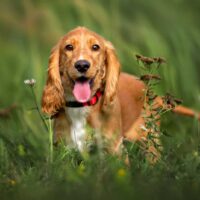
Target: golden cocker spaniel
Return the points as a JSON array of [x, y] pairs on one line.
[[85, 87]]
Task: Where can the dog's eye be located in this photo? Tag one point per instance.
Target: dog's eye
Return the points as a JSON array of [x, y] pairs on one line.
[[69, 47], [95, 47]]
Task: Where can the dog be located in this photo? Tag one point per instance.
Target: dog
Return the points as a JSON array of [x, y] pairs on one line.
[[85, 86]]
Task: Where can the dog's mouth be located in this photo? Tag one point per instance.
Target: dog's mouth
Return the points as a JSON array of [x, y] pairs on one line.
[[82, 88]]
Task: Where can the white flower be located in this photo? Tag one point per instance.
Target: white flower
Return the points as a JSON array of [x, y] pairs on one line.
[[30, 82], [143, 128]]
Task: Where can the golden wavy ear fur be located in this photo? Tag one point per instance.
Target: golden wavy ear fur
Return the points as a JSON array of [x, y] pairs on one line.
[[112, 74], [53, 94]]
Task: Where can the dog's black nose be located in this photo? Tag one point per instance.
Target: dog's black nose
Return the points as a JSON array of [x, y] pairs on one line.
[[82, 65]]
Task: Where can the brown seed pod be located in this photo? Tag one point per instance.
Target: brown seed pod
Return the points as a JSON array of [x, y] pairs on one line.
[[159, 60], [148, 77], [149, 61]]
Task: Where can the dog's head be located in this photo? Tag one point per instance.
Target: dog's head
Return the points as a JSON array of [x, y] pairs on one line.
[[81, 63]]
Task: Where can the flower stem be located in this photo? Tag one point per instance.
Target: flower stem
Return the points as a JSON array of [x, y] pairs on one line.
[[37, 107], [50, 141]]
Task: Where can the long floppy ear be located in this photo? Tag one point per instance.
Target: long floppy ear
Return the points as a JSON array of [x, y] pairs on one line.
[[53, 94], [112, 74]]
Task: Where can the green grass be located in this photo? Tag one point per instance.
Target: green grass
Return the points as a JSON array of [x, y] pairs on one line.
[[28, 30]]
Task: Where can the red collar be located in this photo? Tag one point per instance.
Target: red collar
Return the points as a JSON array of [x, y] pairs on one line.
[[91, 102]]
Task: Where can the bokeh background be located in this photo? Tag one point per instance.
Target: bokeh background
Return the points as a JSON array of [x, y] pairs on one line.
[[30, 28]]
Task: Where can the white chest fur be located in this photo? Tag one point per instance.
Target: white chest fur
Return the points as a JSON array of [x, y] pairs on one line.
[[78, 125]]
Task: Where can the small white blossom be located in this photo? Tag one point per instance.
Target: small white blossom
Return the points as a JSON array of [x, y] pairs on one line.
[[143, 128], [30, 82]]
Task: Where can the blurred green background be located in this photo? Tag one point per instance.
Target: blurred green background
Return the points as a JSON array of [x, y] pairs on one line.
[[28, 31]]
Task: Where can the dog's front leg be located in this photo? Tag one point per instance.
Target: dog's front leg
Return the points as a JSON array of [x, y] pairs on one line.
[[61, 128]]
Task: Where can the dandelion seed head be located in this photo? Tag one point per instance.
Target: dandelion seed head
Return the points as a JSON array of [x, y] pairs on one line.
[[30, 82], [26, 81]]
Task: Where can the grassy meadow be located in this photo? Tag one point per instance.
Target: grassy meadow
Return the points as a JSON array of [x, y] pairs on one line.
[[29, 167]]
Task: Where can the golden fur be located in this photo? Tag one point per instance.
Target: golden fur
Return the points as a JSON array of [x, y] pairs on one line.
[[118, 112]]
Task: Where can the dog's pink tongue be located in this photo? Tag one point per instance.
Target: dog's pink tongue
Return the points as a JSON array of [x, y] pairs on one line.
[[82, 91]]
